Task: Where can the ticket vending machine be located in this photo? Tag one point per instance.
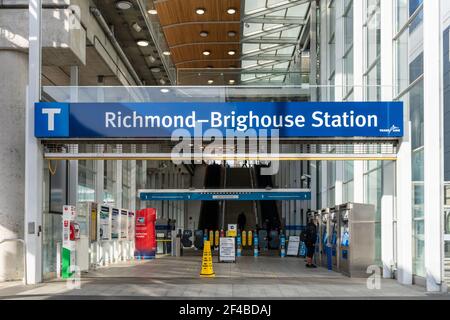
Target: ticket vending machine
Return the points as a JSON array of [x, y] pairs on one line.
[[324, 231], [356, 239], [334, 237]]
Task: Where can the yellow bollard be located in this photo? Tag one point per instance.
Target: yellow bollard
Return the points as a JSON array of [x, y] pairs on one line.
[[207, 265], [216, 238], [211, 237], [244, 238], [250, 238]]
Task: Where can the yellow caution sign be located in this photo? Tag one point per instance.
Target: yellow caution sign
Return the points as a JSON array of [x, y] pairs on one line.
[[207, 266], [216, 238], [244, 238], [211, 237], [250, 238]]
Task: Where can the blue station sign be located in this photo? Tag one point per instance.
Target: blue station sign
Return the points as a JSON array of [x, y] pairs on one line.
[[162, 120], [260, 195]]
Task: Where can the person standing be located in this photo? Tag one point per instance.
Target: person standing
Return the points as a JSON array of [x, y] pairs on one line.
[[242, 221], [310, 242]]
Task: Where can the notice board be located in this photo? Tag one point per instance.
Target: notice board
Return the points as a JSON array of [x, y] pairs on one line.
[[227, 249], [293, 246]]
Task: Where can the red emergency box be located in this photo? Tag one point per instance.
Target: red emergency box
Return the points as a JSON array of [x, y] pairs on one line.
[[145, 234]]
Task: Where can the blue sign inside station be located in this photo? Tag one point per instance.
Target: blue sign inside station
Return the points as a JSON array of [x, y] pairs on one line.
[[163, 120], [225, 195]]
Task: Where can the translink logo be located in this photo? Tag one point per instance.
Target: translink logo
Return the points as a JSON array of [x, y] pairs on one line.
[[393, 129], [51, 120], [51, 117]]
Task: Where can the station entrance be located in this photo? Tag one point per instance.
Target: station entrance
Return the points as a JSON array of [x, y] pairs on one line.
[[266, 191]]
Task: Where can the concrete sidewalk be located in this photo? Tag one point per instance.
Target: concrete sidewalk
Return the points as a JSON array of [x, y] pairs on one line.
[[253, 278]]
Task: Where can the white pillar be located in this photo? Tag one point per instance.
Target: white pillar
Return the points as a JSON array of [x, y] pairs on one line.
[[73, 164], [433, 143], [33, 152], [133, 192], [99, 180], [387, 92], [387, 218], [118, 186]]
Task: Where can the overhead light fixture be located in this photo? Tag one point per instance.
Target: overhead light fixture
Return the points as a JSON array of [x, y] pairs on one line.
[[152, 59], [166, 53], [231, 11], [210, 81], [204, 34], [231, 53], [124, 5], [231, 33], [136, 27], [206, 53], [155, 69], [200, 11], [152, 11], [232, 81], [165, 90], [143, 43]]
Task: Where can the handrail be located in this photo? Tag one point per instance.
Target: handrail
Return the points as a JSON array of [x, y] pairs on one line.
[[24, 255]]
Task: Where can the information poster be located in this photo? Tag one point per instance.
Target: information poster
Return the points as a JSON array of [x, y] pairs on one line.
[[293, 246], [227, 249], [104, 223], [123, 224], [115, 226], [232, 230], [130, 225]]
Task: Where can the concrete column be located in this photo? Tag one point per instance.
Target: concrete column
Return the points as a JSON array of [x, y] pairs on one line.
[[12, 160], [433, 144]]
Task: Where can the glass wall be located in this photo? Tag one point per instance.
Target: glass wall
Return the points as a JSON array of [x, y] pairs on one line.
[[126, 184], [408, 43], [348, 49], [86, 181], [109, 182], [372, 33], [373, 192]]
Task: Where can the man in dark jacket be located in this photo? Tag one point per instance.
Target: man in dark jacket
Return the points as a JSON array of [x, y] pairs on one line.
[[242, 221], [310, 243]]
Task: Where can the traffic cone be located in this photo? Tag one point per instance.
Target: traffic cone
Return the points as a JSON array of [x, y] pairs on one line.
[[207, 266]]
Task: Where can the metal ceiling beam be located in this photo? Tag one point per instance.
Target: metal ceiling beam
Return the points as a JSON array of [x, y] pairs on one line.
[[260, 51], [278, 20], [264, 33], [276, 8], [279, 57], [290, 40]]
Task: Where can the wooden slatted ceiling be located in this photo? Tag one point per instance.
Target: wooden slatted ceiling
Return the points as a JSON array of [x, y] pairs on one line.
[[182, 27]]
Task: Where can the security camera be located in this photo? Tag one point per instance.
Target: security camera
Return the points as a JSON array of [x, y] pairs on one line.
[[305, 177]]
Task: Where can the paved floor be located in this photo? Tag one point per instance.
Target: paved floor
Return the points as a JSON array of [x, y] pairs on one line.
[[169, 277]]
